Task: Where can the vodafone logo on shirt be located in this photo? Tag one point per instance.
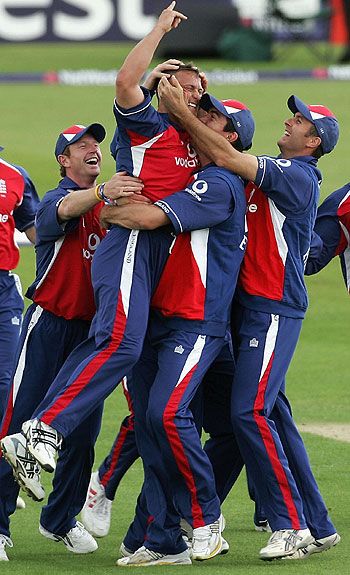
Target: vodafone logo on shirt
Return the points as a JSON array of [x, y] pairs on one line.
[[93, 242]]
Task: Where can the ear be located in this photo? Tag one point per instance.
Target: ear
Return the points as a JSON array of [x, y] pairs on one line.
[[63, 160], [232, 137], [314, 142]]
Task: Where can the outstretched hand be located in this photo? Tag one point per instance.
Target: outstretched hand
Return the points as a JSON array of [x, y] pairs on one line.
[[170, 18]]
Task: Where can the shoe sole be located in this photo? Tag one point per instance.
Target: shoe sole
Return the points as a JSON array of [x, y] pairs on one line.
[[155, 563], [9, 458]]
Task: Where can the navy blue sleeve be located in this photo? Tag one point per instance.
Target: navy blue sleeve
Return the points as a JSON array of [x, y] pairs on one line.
[[208, 201], [24, 215], [290, 184], [142, 119], [48, 227], [328, 229]]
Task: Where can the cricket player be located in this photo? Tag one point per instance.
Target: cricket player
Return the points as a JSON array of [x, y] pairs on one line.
[[272, 300], [68, 232], [187, 330], [128, 264], [18, 204], [332, 229]]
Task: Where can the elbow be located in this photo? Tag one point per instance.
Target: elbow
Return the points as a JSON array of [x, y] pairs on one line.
[[123, 81], [66, 212]]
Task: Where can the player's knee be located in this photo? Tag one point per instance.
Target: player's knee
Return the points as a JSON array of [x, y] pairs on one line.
[[155, 418]]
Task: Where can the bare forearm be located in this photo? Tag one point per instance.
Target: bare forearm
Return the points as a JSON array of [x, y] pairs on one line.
[[219, 150], [128, 92], [139, 59], [31, 234], [76, 204], [204, 139], [134, 216]]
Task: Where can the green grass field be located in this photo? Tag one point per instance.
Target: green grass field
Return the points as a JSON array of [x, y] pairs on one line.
[[318, 381]]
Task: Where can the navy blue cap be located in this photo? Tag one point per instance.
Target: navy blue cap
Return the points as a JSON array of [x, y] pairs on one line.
[[240, 115], [1, 148], [322, 118], [74, 133]]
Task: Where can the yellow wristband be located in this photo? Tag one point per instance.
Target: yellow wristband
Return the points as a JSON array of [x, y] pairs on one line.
[[97, 194]]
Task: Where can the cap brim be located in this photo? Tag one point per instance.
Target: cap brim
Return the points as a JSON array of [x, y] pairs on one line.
[[207, 101], [97, 130], [296, 105]]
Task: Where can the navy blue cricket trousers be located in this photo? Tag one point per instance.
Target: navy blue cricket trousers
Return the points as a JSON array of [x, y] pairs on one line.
[[46, 341], [266, 343], [125, 271], [177, 470], [11, 309], [123, 453]]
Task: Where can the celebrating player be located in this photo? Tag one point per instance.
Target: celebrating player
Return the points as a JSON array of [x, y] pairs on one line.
[[68, 232], [18, 204], [332, 229], [187, 330], [272, 299]]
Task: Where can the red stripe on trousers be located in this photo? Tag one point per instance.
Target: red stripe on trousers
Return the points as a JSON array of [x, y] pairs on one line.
[[8, 415], [123, 433], [91, 368], [177, 447], [271, 448]]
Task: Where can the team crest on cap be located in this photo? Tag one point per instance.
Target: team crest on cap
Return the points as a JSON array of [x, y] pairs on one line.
[[317, 111], [233, 106], [69, 133]]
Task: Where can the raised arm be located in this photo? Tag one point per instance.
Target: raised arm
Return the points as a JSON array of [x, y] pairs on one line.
[[128, 91], [213, 145]]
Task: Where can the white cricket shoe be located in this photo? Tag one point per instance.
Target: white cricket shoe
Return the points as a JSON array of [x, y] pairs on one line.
[[147, 558], [225, 547], [262, 526], [4, 541], [97, 510], [24, 466], [43, 442], [20, 503], [124, 551], [77, 540], [317, 546], [207, 540], [285, 542]]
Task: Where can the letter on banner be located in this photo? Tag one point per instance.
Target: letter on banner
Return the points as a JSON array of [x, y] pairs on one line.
[[99, 18], [132, 22], [23, 28]]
